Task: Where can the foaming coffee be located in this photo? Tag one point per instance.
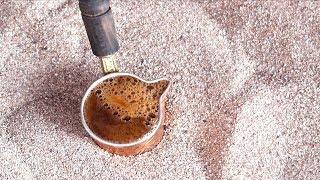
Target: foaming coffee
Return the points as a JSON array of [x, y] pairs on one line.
[[123, 109]]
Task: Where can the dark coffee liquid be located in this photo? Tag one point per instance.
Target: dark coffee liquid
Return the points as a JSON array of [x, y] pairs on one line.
[[123, 109]]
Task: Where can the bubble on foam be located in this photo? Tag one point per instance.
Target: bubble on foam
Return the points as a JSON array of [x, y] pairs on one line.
[[98, 92], [126, 118], [147, 123], [150, 87], [152, 115]]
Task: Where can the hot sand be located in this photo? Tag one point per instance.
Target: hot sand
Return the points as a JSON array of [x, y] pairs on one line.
[[244, 101]]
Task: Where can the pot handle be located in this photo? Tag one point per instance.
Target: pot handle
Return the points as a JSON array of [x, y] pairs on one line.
[[99, 24]]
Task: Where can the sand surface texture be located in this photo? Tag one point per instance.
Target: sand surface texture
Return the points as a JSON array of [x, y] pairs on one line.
[[244, 101]]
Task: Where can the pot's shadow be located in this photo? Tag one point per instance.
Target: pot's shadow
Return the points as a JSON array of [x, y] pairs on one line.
[[52, 95], [56, 101]]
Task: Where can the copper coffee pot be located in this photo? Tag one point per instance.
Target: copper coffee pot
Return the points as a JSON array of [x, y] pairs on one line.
[[123, 113]]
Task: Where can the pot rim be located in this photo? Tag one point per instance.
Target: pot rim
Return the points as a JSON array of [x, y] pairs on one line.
[[145, 138]]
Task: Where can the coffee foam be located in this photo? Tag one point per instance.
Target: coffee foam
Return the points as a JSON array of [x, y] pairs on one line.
[[123, 109]]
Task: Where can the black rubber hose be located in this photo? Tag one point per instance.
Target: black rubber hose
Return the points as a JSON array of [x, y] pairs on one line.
[[99, 24]]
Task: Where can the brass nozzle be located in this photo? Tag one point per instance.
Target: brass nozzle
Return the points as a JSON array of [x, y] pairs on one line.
[[109, 64]]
